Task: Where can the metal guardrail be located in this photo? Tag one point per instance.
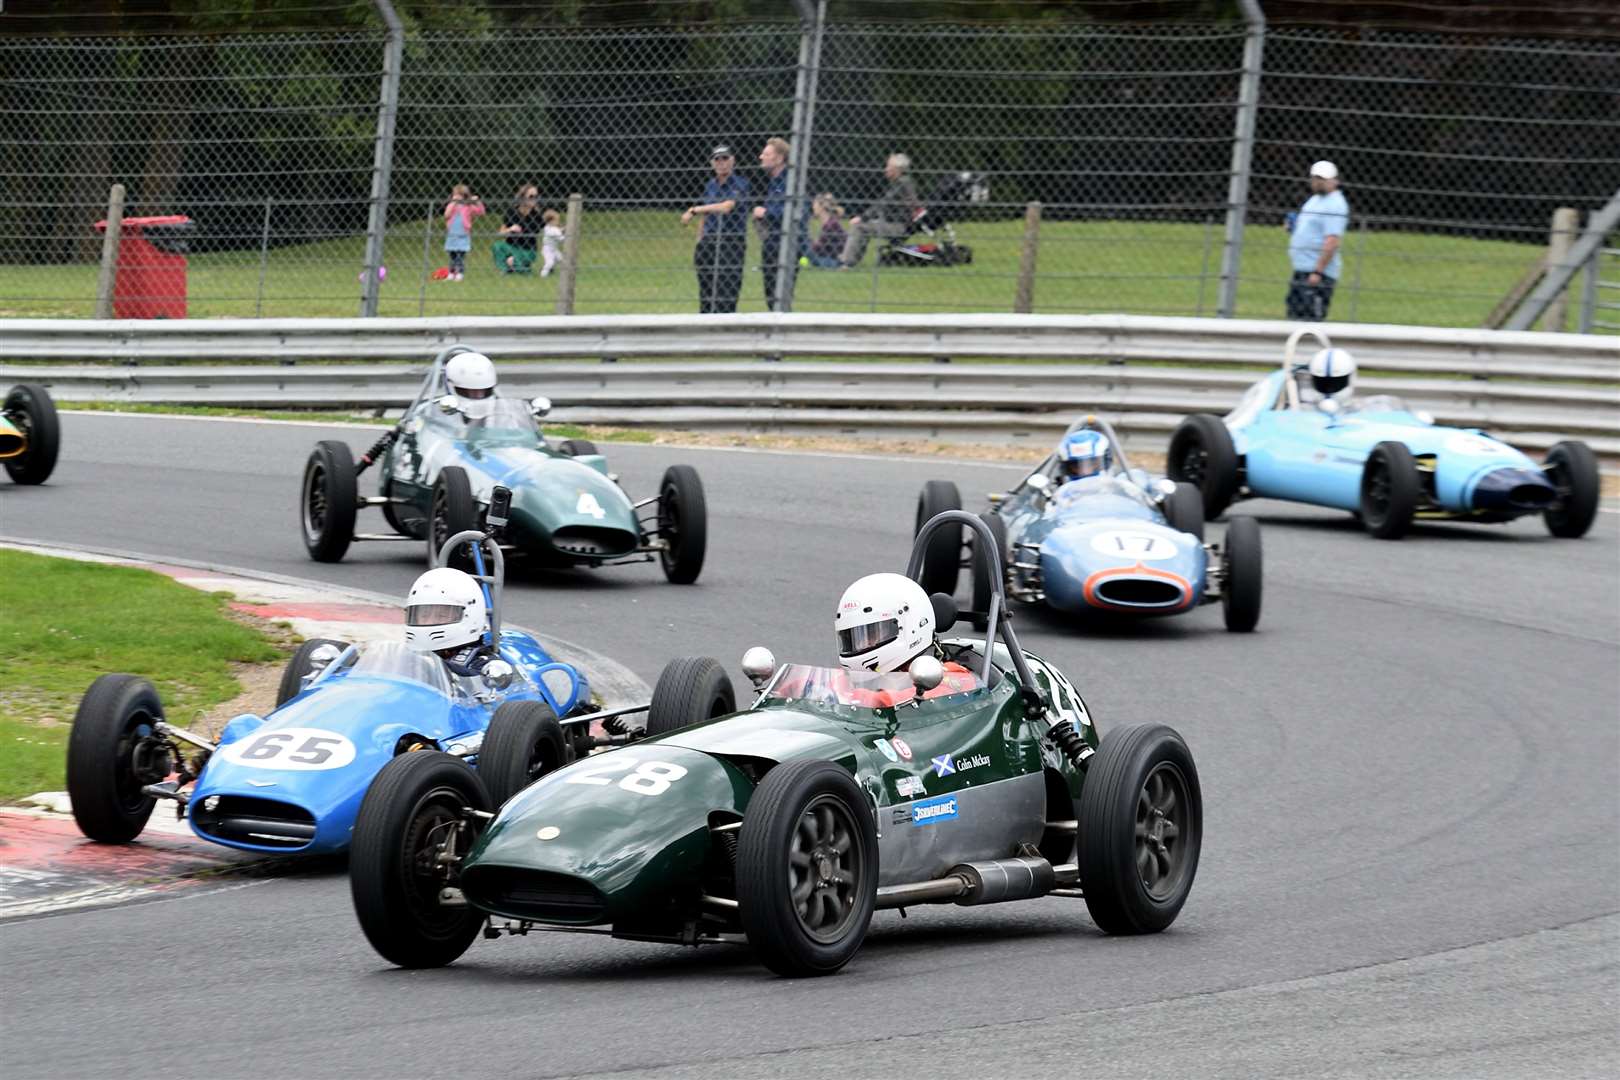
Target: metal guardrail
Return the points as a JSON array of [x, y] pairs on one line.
[[1496, 380]]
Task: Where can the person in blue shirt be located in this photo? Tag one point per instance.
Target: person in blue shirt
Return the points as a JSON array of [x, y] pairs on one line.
[[722, 243], [768, 215], [1313, 249]]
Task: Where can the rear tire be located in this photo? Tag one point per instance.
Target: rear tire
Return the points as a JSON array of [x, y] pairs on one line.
[[683, 523], [406, 813], [576, 447], [524, 742], [1573, 469], [808, 838], [942, 559], [292, 676], [1141, 829], [1184, 510], [690, 690], [1390, 491], [30, 407], [112, 752], [1201, 454], [1241, 561], [329, 501], [454, 510], [983, 579]]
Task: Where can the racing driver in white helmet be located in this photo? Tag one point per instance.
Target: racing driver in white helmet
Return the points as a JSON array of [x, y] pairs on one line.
[[1333, 376], [446, 614], [471, 378], [884, 622]]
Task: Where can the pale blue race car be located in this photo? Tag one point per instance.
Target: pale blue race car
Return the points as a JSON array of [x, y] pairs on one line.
[[1109, 540], [1377, 458], [291, 781]]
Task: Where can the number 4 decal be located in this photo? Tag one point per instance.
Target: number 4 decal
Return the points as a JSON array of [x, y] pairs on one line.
[[649, 777], [588, 505]]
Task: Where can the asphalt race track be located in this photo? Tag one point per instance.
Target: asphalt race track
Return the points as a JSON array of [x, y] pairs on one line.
[[1411, 776]]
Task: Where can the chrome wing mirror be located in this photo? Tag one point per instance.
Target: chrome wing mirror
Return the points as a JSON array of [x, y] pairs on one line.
[[759, 665], [449, 405], [498, 674], [926, 673], [540, 406]]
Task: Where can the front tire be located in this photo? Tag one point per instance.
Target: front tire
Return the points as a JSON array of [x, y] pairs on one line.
[[683, 523], [409, 815], [30, 407], [292, 676], [1202, 454], [983, 578], [1141, 828], [329, 501], [1241, 562], [453, 510], [1390, 491], [807, 868], [577, 447], [690, 689], [1573, 469], [1184, 510], [942, 559], [112, 753], [524, 742]]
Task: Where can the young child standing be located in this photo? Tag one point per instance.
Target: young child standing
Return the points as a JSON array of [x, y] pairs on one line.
[[458, 218], [550, 238]]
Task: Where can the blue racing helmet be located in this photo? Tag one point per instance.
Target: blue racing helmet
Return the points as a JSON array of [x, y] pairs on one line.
[[1084, 453]]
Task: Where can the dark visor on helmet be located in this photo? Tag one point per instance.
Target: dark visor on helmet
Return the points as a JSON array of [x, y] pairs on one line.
[[432, 614], [862, 639], [1330, 384], [476, 393]]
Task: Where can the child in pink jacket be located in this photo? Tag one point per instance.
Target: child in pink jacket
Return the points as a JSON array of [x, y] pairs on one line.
[[458, 218]]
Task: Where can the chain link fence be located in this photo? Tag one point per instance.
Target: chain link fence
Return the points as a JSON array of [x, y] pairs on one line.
[[1058, 168]]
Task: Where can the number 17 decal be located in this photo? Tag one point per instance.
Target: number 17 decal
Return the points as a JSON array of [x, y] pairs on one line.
[[1130, 544], [649, 777]]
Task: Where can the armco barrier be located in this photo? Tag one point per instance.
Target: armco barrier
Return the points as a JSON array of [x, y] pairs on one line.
[[1534, 388]]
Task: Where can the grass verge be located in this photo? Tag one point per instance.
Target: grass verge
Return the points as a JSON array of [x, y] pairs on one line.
[[64, 622]]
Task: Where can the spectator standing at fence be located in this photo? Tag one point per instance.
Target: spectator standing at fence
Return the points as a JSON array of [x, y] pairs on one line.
[[1313, 247], [829, 243], [459, 213], [722, 243], [551, 238], [515, 250], [768, 215], [889, 216]]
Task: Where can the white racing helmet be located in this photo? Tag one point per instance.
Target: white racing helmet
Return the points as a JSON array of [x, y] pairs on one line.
[[471, 377], [1333, 374], [883, 622], [445, 610]]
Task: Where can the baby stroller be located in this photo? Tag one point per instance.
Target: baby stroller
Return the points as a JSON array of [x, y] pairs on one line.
[[931, 239]]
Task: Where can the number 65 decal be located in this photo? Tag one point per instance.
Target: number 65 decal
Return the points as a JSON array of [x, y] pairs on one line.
[[649, 778], [291, 748]]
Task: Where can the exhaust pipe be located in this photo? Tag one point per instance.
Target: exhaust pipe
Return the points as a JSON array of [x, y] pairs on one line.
[[971, 884]]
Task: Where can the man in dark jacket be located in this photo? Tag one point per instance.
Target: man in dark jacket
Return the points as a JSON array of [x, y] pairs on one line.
[[889, 216], [723, 242], [768, 215]]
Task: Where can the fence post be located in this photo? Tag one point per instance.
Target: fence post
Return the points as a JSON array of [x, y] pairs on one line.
[[570, 255], [1024, 301], [1237, 196], [264, 259], [383, 160], [813, 22], [1566, 222], [109, 252]]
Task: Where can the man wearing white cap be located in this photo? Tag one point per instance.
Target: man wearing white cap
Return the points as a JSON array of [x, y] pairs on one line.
[[1313, 249]]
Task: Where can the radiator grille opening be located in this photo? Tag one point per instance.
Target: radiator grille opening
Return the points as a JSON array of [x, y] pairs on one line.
[[1139, 593], [541, 895], [248, 820], [592, 542]]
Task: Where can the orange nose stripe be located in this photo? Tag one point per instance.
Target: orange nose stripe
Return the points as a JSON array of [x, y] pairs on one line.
[[1139, 570]]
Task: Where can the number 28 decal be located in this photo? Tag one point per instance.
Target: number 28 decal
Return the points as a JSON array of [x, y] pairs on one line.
[[294, 748], [649, 777]]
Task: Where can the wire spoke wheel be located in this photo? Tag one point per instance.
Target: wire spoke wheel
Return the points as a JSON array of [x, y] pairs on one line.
[[825, 868], [1159, 807]]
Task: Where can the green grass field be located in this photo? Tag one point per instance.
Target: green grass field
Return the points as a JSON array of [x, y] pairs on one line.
[[641, 262], [64, 622]]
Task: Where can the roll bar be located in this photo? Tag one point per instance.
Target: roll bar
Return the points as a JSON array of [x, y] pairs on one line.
[[491, 582], [1092, 422], [1289, 387], [1034, 700]]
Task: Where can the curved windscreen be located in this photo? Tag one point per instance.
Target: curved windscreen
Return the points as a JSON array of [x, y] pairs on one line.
[[509, 423], [860, 689], [391, 659], [1377, 403]]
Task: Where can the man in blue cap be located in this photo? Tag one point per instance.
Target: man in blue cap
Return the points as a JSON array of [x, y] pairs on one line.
[[722, 245]]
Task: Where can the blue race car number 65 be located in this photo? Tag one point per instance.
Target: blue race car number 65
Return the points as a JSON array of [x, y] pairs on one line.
[[291, 748]]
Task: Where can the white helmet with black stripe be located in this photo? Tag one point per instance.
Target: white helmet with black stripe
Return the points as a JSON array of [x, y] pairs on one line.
[[445, 610], [1333, 374], [883, 622]]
